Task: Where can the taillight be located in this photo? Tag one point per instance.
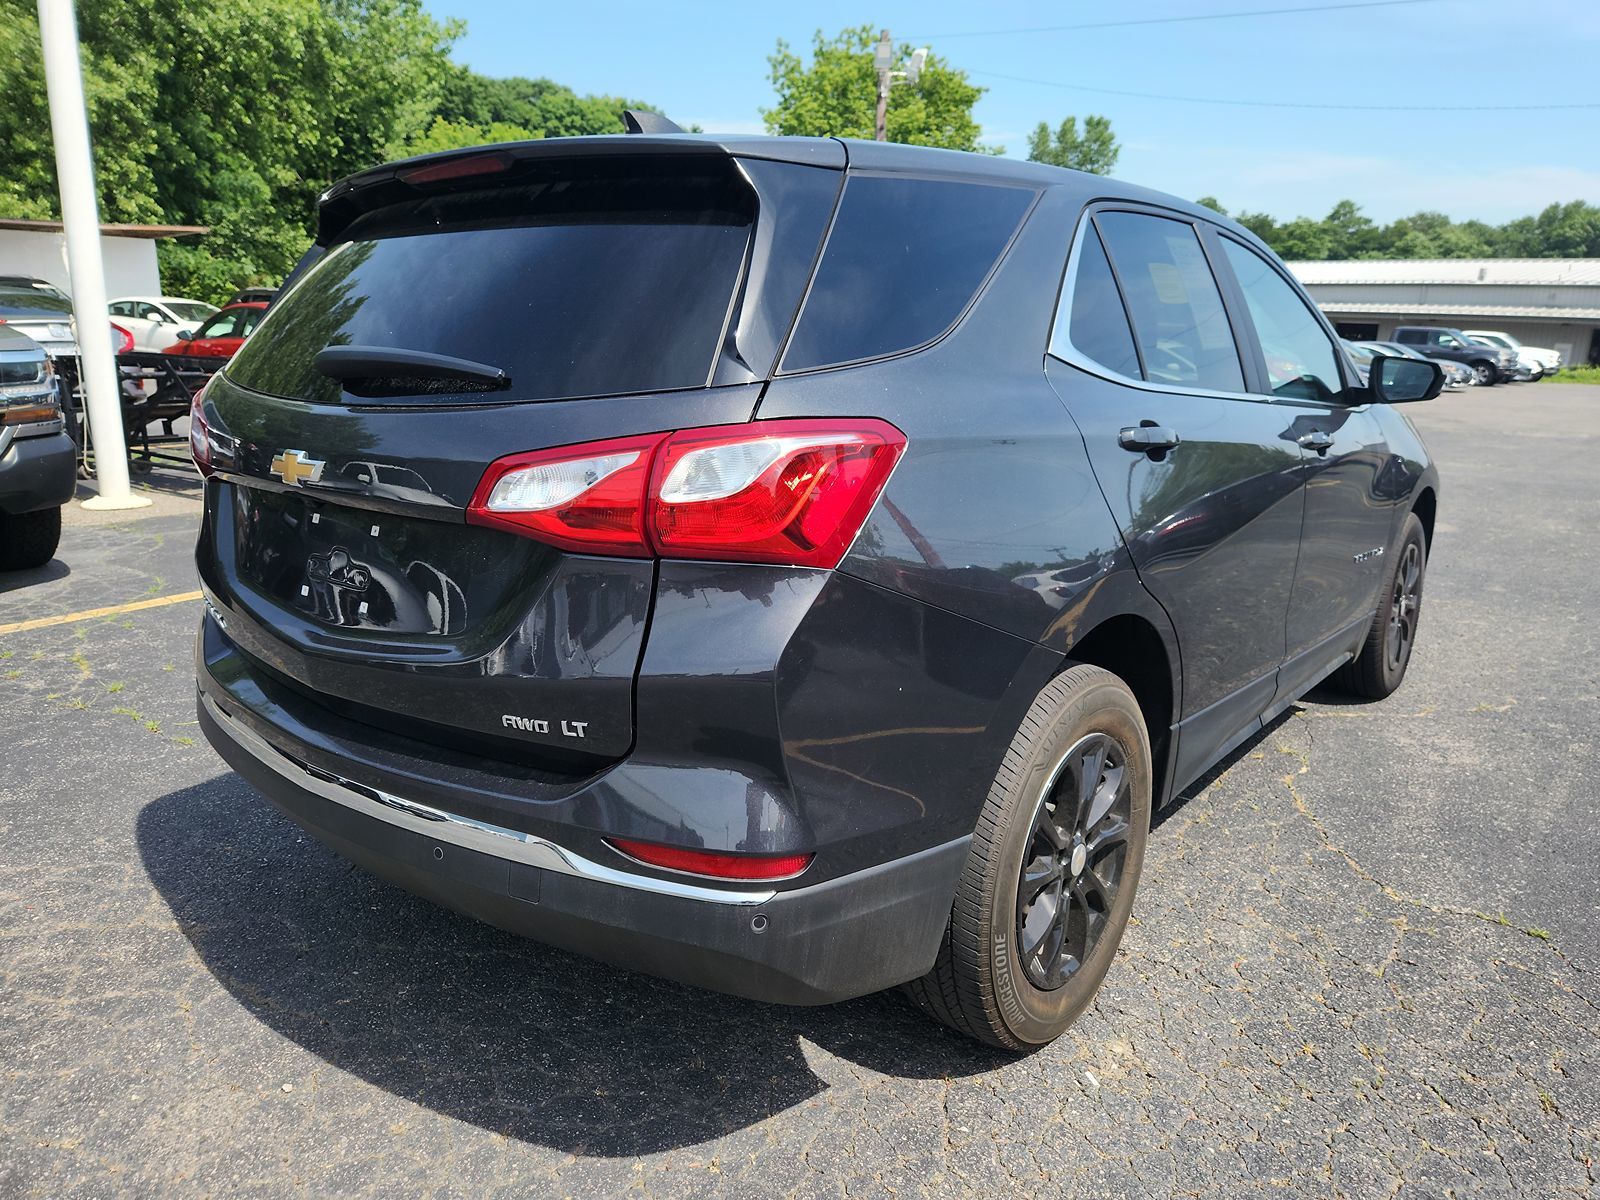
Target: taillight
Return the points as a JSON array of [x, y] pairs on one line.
[[587, 498], [790, 491], [782, 491], [713, 864], [200, 432], [121, 339]]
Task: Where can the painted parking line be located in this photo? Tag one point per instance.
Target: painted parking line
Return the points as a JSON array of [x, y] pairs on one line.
[[90, 614]]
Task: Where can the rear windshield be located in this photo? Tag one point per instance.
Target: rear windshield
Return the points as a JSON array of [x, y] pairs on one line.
[[22, 301], [603, 280]]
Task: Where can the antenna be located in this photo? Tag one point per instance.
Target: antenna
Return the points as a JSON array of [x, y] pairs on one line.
[[640, 120]]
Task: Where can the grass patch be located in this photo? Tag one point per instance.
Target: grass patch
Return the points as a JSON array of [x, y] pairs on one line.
[[1579, 374], [1542, 934], [116, 687]]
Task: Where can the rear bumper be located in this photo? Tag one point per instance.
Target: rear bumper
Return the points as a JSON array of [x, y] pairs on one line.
[[845, 937], [36, 472]]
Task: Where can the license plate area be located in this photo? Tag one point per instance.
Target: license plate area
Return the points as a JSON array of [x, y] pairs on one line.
[[362, 571]]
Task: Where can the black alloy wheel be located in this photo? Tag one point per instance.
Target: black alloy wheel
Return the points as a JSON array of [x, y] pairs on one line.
[[1073, 862], [1405, 605]]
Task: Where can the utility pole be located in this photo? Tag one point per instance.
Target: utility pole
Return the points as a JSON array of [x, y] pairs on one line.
[[80, 220], [883, 63], [883, 60]]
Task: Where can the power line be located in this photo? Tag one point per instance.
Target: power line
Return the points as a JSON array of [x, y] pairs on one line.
[[1222, 16], [1076, 87]]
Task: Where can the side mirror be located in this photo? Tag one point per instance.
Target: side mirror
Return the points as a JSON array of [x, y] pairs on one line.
[[185, 335], [1404, 380]]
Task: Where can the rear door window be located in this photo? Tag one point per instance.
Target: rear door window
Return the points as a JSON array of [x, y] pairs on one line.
[[904, 259], [1096, 322], [1300, 359], [1178, 319], [606, 279]]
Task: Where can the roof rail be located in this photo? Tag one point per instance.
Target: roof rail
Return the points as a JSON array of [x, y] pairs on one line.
[[641, 120]]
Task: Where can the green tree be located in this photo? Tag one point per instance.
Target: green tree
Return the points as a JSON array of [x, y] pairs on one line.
[[837, 95], [543, 106], [1094, 150], [234, 117]]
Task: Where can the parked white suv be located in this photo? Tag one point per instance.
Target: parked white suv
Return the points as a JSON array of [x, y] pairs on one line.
[[1537, 359]]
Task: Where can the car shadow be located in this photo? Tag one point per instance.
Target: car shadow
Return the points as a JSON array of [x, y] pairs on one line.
[[12, 581], [515, 1037]]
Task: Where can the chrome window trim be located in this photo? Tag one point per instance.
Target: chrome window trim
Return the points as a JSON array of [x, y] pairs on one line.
[[1061, 346], [452, 828]]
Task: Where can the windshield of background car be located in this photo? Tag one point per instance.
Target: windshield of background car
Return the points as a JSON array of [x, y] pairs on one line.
[[20, 303], [191, 312], [595, 278]]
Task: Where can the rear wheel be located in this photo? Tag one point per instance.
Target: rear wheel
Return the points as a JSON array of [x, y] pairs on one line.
[[1377, 670], [1484, 373], [1049, 882], [29, 539]]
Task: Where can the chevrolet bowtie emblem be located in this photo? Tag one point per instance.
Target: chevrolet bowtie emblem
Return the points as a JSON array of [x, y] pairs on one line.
[[294, 468]]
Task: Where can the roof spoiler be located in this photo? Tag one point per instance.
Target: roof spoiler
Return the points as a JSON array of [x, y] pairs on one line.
[[642, 120]]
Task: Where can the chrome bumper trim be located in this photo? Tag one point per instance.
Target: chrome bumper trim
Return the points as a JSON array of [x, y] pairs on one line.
[[457, 830]]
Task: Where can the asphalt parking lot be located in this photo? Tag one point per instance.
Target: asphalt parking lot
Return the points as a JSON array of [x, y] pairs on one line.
[[1364, 959]]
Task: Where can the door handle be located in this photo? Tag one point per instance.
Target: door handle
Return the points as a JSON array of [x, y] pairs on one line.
[[1316, 440], [1147, 438]]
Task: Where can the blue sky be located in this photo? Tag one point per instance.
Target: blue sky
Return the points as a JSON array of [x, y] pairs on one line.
[[706, 62]]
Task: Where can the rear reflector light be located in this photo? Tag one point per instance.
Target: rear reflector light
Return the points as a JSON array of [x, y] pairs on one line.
[[794, 492], [714, 865]]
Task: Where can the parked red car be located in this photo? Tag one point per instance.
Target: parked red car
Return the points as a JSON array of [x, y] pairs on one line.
[[223, 332]]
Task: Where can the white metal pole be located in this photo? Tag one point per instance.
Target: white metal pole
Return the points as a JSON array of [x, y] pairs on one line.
[[69, 122]]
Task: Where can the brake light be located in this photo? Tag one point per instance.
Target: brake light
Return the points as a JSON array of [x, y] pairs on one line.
[[200, 433], [460, 168], [713, 864], [122, 340], [790, 491]]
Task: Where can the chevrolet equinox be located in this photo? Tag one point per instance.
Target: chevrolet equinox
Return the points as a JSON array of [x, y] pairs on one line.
[[796, 567]]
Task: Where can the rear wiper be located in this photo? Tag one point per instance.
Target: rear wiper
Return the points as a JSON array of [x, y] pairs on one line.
[[381, 364]]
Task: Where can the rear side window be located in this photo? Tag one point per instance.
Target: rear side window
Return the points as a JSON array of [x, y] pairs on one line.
[[1098, 324], [904, 259], [1411, 337], [1178, 320], [586, 280], [1301, 363]]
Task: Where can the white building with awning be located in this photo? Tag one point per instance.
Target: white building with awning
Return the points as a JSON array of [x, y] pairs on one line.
[[1552, 302]]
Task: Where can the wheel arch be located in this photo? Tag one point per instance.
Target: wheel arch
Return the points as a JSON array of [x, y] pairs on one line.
[[1132, 647], [1426, 507]]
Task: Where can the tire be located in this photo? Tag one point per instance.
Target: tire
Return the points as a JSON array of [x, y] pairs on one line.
[[29, 539], [1086, 722], [1377, 670], [1485, 373]]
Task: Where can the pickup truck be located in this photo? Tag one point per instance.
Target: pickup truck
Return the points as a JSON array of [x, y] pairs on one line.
[[1490, 364], [38, 461]]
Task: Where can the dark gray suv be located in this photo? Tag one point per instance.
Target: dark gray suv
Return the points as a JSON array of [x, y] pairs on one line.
[[797, 567]]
